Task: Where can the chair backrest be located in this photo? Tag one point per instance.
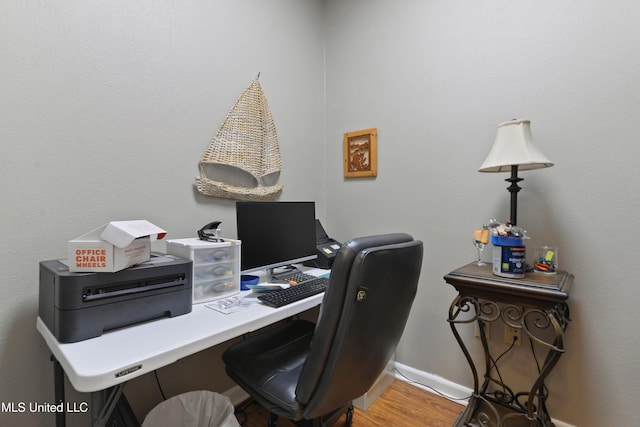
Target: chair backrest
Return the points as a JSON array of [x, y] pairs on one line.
[[365, 309]]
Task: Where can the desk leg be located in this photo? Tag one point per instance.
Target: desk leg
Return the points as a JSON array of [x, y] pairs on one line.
[[556, 318], [466, 310], [503, 406], [103, 403], [58, 390], [458, 306]]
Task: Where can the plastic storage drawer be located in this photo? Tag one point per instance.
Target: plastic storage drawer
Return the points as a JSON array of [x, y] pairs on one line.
[[216, 266]]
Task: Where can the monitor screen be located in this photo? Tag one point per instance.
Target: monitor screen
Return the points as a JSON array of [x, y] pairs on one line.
[[275, 234]]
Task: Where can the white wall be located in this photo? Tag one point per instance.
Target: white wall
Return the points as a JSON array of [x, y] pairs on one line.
[[436, 78], [106, 107], [105, 110]]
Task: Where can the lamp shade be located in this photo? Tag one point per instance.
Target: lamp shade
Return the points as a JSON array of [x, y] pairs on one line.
[[514, 147]]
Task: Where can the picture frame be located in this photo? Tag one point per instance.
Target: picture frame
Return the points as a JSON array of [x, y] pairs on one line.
[[361, 153]]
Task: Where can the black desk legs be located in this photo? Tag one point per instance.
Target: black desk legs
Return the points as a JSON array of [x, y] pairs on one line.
[[58, 390], [102, 402]]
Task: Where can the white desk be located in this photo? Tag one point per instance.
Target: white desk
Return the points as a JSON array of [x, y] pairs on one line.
[[110, 360]]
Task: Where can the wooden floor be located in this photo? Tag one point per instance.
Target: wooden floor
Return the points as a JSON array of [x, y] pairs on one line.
[[401, 405]]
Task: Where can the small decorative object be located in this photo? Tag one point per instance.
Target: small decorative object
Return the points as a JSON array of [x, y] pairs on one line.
[[500, 229], [242, 161], [514, 150], [361, 153], [546, 260], [480, 239]]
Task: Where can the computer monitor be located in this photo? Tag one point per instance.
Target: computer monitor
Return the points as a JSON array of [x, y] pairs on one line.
[[275, 234]]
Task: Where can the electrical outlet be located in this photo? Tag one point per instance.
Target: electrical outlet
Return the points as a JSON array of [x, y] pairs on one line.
[[510, 333], [487, 330]]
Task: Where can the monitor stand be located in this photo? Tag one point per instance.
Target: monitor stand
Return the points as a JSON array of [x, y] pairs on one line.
[[286, 272]]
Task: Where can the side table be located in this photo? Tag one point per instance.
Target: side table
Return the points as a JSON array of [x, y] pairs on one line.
[[537, 306]]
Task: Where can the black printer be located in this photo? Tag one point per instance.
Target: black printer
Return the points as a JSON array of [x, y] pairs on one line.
[[79, 306]]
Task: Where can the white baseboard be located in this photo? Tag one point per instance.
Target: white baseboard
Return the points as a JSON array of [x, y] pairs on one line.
[[562, 424], [424, 380], [444, 387], [382, 383], [237, 395]]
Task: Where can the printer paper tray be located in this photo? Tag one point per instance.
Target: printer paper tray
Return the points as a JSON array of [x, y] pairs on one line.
[[102, 293]]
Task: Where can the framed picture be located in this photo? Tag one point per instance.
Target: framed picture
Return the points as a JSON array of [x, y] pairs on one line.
[[361, 153]]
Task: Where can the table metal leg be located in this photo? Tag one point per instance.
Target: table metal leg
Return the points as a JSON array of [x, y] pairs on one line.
[[58, 390], [502, 405], [103, 403], [466, 310]]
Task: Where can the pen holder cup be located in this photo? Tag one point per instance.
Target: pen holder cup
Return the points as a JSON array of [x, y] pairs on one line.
[[546, 260]]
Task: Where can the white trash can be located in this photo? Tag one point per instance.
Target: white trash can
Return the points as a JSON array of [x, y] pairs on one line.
[[193, 409]]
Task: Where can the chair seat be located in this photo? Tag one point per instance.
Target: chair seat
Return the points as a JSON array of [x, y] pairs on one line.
[[268, 366]]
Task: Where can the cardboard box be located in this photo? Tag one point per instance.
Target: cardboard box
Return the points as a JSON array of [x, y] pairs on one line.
[[113, 246]]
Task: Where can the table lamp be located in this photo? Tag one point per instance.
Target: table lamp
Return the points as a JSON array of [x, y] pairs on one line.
[[513, 150]]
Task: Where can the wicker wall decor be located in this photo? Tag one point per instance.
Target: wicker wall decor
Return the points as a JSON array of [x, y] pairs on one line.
[[247, 145]]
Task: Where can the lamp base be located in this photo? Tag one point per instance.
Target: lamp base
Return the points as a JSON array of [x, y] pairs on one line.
[[513, 189]]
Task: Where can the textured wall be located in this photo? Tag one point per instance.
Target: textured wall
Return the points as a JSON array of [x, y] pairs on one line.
[[436, 78], [105, 110]]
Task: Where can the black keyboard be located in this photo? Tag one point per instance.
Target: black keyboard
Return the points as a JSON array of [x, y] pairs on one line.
[[295, 293], [296, 277]]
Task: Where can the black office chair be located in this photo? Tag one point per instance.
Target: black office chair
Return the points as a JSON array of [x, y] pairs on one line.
[[310, 373]]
